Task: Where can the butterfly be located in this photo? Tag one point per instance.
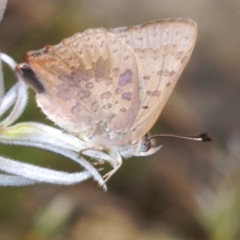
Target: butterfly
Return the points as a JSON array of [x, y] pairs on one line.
[[109, 86]]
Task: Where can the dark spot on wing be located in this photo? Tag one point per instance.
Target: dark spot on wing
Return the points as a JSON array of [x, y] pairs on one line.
[[30, 78], [125, 78]]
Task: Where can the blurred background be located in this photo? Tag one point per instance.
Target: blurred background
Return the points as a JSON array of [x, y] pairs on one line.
[[187, 190]]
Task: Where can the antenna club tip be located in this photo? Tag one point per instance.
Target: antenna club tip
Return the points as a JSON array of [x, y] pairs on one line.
[[205, 137]]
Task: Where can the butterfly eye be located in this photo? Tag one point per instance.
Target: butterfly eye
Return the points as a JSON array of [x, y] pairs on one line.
[[145, 144]]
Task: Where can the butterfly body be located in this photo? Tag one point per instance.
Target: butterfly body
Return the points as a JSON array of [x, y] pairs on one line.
[[109, 86]]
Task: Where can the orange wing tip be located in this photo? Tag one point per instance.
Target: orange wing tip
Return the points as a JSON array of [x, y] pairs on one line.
[[48, 48], [26, 56]]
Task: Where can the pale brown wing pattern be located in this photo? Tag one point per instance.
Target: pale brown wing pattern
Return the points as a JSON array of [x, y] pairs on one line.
[[89, 79], [119, 78], [162, 49]]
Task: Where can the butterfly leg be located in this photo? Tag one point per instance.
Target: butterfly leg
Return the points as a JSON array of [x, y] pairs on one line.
[[90, 148], [117, 162], [97, 163], [108, 175]]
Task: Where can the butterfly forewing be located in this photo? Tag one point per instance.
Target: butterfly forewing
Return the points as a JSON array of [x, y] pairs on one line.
[[162, 49], [90, 78], [118, 79]]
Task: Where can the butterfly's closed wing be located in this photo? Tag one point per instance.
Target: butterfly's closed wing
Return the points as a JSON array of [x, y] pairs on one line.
[[109, 86], [88, 79], [162, 49], [118, 78]]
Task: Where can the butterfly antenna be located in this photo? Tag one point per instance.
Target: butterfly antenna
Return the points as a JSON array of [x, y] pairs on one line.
[[203, 137]]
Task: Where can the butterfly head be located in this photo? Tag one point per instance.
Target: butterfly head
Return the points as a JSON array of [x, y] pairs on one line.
[[146, 146]]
